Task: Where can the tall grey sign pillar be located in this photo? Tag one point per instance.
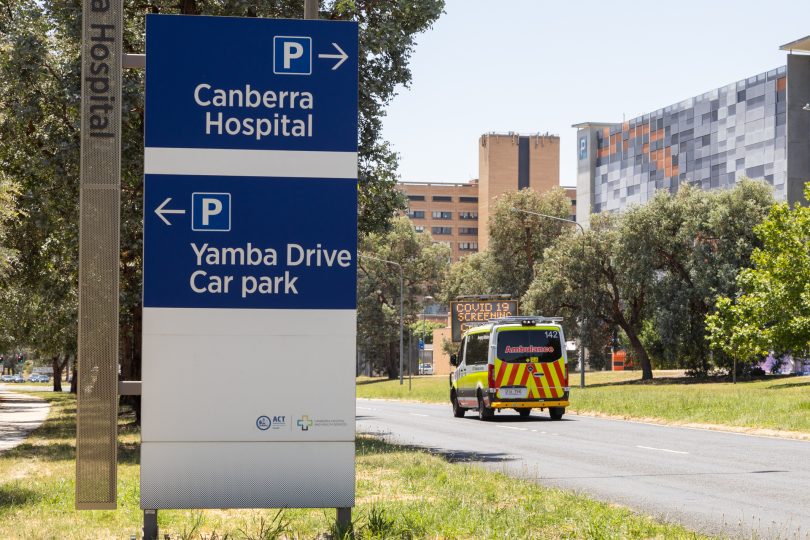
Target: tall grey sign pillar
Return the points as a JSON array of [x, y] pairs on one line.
[[100, 186]]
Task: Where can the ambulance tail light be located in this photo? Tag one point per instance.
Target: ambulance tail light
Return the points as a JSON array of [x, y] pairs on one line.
[[491, 377]]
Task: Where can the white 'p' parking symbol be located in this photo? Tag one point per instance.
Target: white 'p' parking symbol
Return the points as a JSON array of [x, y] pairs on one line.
[[210, 207], [211, 212], [292, 55]]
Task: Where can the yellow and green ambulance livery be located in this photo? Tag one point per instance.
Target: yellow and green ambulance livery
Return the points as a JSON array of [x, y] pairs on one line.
[[511, 363]]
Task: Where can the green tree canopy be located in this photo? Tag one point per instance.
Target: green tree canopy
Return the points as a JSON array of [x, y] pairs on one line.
[[423, 266], [655, 270], [473, 274], [696, 242], [518, 241], [772, 311], [598, 279]]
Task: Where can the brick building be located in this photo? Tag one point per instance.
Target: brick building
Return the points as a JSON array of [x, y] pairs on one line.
[[458, 213]]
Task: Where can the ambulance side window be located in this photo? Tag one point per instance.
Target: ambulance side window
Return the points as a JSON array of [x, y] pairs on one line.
[[477, 349]]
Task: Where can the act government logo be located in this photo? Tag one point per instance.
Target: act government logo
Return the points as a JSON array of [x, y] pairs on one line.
[[271, 422]]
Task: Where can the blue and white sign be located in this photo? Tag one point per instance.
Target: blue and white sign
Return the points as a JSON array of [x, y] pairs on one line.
[[250, 258]]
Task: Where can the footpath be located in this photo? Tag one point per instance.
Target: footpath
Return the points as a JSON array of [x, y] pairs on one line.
[[20, 414]]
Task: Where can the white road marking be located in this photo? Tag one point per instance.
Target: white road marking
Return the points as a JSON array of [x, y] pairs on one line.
[[512, 427], [417, 414], [366, 409], [661, 449]]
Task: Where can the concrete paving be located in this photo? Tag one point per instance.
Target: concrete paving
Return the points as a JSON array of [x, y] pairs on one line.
[[714, 482], [20, 414]]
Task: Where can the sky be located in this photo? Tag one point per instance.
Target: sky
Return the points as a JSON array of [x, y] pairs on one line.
[[535, 66]]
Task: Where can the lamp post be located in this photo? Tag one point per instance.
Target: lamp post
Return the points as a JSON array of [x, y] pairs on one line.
[[580, 351], [401, 319]]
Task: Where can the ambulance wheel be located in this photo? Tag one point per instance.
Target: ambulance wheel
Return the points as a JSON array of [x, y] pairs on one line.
[[484, 412], [458, 410], [556, 413], [524, 413]]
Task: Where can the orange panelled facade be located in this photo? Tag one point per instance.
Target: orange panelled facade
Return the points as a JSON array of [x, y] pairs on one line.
[[614, 146], [618, 143]]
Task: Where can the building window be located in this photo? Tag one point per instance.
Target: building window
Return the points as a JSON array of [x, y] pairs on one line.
[[468, 215], [468, 246], [416, 214], [442, 198], [419, 228], [574, 201], [468, 230], [572, 217], [416, 197], [468, 199], [437, 214], [441, 230]]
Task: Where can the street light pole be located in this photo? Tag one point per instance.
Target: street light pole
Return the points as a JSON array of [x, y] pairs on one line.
[[401, 311], [580, 351]]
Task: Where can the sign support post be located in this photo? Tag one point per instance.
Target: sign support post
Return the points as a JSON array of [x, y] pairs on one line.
[[344, 515]]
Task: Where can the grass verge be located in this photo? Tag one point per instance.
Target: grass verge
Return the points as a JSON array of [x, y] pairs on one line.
[[401, 493], [775, 403]]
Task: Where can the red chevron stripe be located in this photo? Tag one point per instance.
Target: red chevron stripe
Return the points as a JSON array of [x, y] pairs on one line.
[[541, 392], [499, 378], [525, 378], [513, 374]]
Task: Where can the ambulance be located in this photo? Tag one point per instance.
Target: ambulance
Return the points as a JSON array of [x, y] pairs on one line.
[[515, 363]]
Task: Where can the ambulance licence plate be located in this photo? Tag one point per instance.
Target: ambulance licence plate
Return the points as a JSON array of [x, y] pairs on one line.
[[513, 393]]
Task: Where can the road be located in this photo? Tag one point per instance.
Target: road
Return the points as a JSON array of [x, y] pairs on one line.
[[710, 481]]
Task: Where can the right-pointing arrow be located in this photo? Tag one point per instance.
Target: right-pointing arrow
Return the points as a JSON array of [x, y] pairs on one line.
[[342, 56], [160, 210]]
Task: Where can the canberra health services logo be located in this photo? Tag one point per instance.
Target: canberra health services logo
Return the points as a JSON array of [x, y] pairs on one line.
[[304, 423]]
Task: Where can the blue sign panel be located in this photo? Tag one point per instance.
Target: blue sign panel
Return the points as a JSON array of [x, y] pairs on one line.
[[273, 84], [226, 225], [281, 247]]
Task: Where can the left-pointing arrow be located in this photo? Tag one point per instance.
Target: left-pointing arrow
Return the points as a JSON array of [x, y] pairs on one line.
[[160, 210]]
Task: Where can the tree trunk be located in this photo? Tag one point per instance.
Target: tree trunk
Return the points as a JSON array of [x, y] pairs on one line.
[[74, 382], [57, 373], [392, 362], [641, 354]]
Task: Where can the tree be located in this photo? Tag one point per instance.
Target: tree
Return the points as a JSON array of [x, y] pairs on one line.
[[696, 242], [518, 240], [40, 76], [8, 213], [423, 329], [470, 275], [597, 278], [772, 311], [423, 264]]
